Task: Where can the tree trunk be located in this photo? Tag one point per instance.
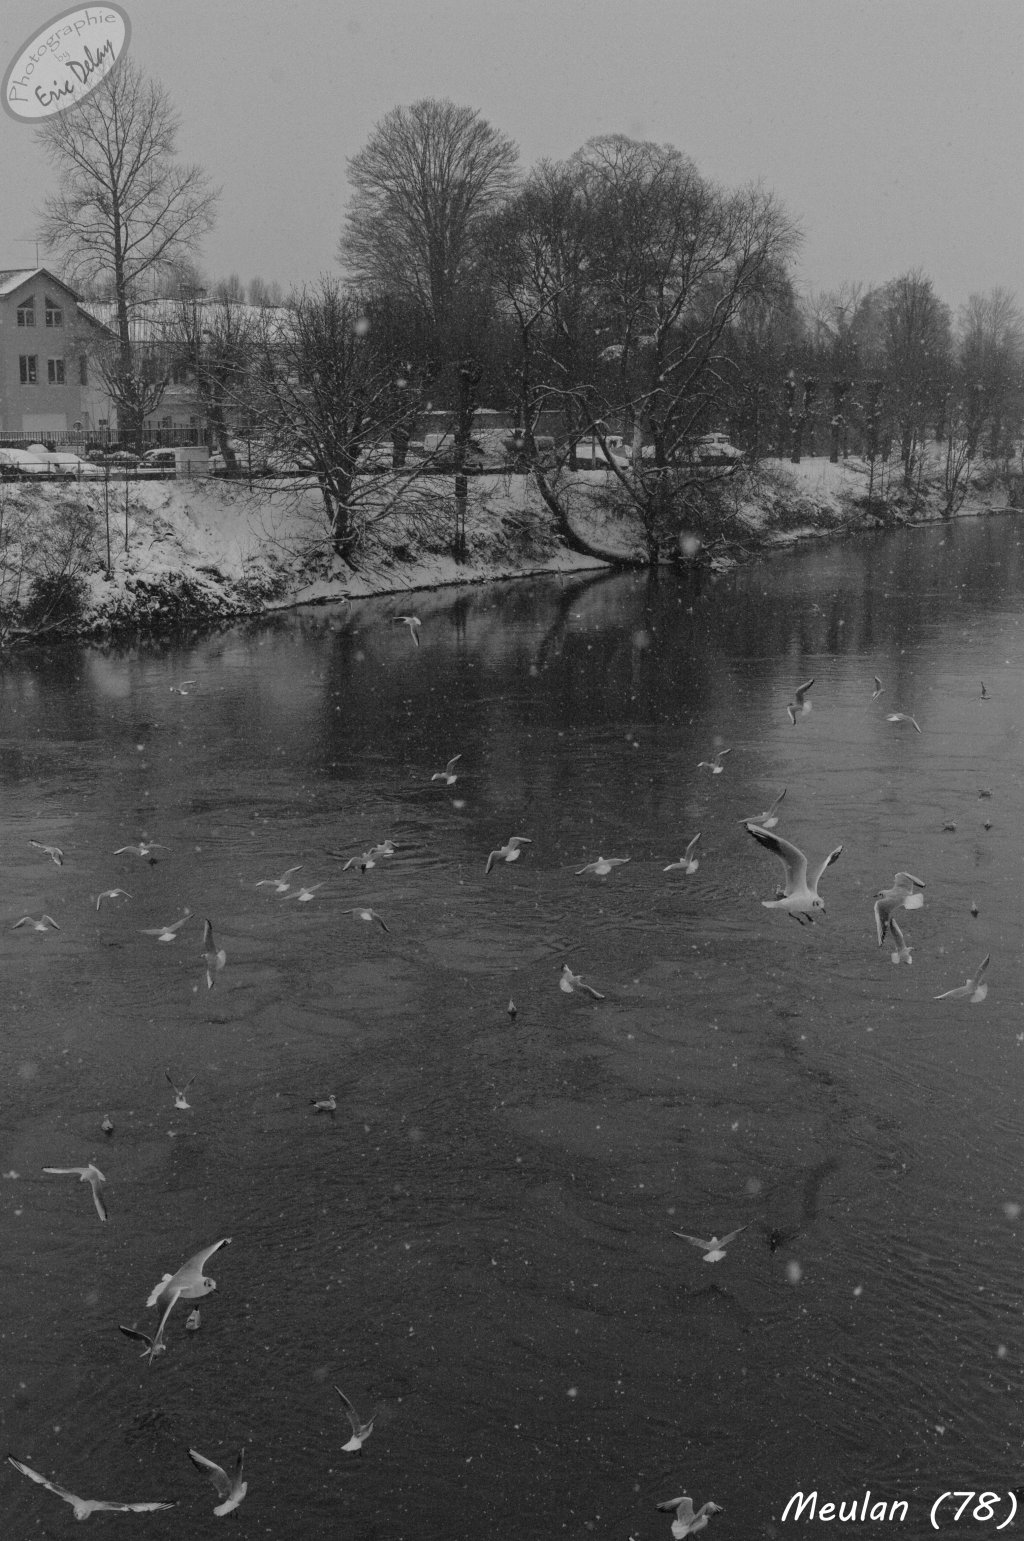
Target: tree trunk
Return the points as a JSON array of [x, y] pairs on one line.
[[574, 541]]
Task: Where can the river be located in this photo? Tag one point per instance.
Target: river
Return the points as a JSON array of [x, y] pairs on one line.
[[479, 1241]]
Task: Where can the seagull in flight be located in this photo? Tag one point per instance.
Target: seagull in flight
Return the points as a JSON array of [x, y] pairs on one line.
[[180, 1100], [282, 884], [112, 893], [414, 623], [189, 1283], [369, 858], [88, 1174], [145, 848], [54, 852], [449, 775], [215, 956], [714, 765], [44, 923], [686, 1523], [181, 689], [984, 697], [570, 983], [687, 863], [879, 687], [169, 932], [714, 1248], [304, 895], [83, 1507], [800, 897], [902, 895], [602, 866], [903, 717], [800, 706], [368, 915], [153, 1347], [973, 988], [230, 1490], [360, 1431], [770, 817], [508, 852], [902, 952]]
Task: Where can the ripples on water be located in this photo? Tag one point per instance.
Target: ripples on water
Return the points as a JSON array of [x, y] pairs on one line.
[[480, 1242]]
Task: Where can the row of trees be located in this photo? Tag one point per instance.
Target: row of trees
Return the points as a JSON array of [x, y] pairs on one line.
[[618, 287]]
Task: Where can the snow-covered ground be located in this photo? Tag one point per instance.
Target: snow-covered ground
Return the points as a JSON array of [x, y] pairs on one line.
[[207, 549]]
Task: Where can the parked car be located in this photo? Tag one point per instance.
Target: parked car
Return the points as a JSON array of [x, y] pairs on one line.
[[112, 455], [158, 460], [251, 458], [35, 461], [715, 449], [591, 455]]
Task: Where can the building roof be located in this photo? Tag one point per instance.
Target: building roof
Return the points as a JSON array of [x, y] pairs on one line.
[[13, 278]]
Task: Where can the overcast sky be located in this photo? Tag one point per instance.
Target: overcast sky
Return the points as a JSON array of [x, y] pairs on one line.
[[893, 130]]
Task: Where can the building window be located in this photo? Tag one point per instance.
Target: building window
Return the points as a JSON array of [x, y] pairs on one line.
[[55, 371], [26, 312], [54, 313], [27, 368], [83, 370]]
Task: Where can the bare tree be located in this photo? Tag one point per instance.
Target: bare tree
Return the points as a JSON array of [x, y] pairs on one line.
[[991, 355], [333, 398], [215, 343], [423, 186], [918, 361], [126, 210]]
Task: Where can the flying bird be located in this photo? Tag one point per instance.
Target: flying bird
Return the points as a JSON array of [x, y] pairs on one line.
[[570, 983], [215, 956], [180, 1100], [282, 884], [714, 765], [43, 923], [686, 1523], [770, 817], [902, 895], [154, 1346], [83, 1507], [449, 775], [88, 1174], [714, 1248], [879, 687], [304, 895], [54, 852], [984, 696], [973, 988], [360, 1431], [368, 915], [800, 897], [230, 1490], [169, 932], [181, 690], [112, 893], [687, 862], [902, 952], [189, 1283], [510, 851], [145, 849], [903, 717], [602, 866], [800, 705], [414, 623]]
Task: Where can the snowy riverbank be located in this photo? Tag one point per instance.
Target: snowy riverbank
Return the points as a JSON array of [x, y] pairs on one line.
[[154, 555]]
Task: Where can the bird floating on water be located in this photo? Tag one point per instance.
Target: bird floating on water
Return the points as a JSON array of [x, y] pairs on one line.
[[325, 1104], [687, 862], [714, 1248], [509, 851], [984, 693], [800, 897], [90, 1174], [107, 1125], [800, 705], [230, 1490], [360, 1431], [83, 1507], [182, 690], [974, 989]]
